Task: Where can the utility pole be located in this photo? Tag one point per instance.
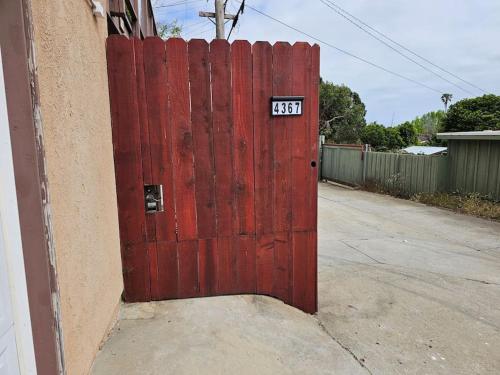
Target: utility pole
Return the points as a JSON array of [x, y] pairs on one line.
[[220, 13], [221, 16]]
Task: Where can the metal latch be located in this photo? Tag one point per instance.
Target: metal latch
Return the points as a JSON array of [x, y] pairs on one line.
[[153, 198]]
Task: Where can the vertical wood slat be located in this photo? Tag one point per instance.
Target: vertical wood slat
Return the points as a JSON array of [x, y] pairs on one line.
[[222, 118], [264, 159], [150, 220], [207, 267], [126, 134], [282, 135], [243, 146], [160, 134], [187, 258], [313, 138], [201, 122], [263, 138], [301, 173], [182, 138], [282, 195]]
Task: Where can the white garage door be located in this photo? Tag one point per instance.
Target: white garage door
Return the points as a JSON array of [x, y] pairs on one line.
[[16, 339], [8, 352]]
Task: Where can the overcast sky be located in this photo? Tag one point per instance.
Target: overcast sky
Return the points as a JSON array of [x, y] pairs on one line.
[[462, 36]]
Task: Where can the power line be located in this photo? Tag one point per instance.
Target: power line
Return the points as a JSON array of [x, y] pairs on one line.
[[403, 47], [395, 49], [177, 4], [235, 21], [344, 51]]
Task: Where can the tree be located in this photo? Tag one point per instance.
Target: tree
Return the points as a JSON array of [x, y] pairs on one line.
[[446, 98], [408, 134], [393, 139], [169, 29], [375, 135], [481, 113], [342, 113]]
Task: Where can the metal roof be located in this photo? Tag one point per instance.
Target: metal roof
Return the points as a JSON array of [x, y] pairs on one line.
[[484, 135], [425, 150]]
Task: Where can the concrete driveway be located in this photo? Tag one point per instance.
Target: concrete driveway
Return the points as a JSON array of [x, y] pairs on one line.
[[403, 289]]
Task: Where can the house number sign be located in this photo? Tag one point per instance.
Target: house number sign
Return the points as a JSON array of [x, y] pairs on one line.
[[286, 105]]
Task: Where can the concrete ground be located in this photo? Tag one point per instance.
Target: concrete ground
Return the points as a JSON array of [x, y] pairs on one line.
[[403, 289]]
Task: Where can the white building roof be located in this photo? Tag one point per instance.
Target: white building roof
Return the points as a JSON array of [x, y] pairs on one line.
[[424, 150], [485, 135]]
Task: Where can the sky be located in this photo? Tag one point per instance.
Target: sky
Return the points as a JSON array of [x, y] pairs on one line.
[[461, 36]]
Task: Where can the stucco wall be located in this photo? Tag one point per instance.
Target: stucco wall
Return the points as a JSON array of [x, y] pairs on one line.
[[70, 48]]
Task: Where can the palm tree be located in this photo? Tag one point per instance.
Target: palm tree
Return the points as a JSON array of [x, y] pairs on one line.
[[446, 98]]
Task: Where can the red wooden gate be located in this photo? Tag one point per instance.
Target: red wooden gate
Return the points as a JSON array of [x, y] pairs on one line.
[[239, 185]]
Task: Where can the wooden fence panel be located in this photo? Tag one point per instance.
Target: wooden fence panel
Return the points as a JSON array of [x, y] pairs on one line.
[[239, 185]]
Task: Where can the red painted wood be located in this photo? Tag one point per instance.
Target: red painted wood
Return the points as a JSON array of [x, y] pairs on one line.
[[282, 132], [265, 263], [168, 270], [227, 255], [282, 135], [201, 122], [246, 264], [314, 132], [154, 280], [239, 188], [207, 266], [143, 120], [220, 61], [263, 136], [187, 253], [127, 155], [305, 271], [136, 275], [241, 63], [300, 140], [182, 138], [283, 267], [160, 134]]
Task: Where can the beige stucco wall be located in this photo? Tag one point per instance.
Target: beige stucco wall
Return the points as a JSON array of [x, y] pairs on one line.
[[70, 49]]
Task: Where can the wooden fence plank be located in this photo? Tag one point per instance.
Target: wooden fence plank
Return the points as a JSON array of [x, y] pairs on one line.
[[143, 120], [241, 62], [136, 275], [283, 267], [227, 256], [265, 263], [314, 131], [168, 271], [128, 166], [201, 122], [220, 61], [282, 135], [263, 137], [187, 254], [207, 266], [305, 271], [300, 140], [246, 264], [182, 138], [160, 134]]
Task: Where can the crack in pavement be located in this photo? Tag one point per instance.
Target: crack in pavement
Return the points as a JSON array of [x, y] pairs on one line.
[[346, 348], [359, 251]]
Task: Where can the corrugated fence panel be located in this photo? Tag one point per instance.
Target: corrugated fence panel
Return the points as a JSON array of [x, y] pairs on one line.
[[475, 167], [399, 173], [407, 174], [343, 165]]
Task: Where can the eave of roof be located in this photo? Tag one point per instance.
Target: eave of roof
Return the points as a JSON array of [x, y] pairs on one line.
[[487, 135]]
